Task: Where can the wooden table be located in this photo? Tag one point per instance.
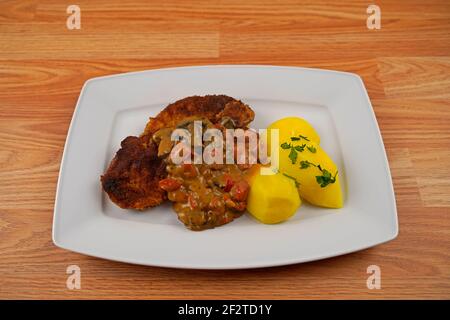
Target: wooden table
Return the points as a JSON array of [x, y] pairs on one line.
[[405, 66]]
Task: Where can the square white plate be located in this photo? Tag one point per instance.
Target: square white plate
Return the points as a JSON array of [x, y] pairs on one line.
[[113, 107]]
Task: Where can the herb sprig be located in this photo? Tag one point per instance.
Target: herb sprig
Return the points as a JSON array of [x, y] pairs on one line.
[[297, 184], [300, 137], [325, 179], [293, 154], [311, 149]]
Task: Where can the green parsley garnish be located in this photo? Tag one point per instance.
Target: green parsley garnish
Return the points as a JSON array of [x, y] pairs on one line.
[[299, 137], [325, 179], [300, 148], [303, 137], [312, 149], [293, 155], [294, 149], [297, 184], [304, 164]]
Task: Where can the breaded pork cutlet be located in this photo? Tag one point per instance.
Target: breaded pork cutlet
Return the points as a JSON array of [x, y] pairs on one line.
[[211, 107], [132, 178]]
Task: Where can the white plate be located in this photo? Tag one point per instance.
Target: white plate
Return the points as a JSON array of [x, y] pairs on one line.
[[113, 107]]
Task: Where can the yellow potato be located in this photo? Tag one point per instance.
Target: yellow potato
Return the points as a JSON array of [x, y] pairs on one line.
[[292, 127], [272, 198], [314, 170], [319, 183]]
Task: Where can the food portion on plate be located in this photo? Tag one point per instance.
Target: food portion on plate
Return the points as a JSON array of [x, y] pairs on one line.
[[205, 195], [144, 174], [273, 198], [132, 178], [302, 158], [137, 177]]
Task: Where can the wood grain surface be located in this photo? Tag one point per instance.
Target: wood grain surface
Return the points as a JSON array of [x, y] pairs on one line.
[[406, 69]]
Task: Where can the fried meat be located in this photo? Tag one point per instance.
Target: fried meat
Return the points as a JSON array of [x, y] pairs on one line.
[[132, 178]]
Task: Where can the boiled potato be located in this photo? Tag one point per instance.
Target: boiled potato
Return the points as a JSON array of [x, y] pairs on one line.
[[316, 173], [301, 158], [272, 198], [293, 127]]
